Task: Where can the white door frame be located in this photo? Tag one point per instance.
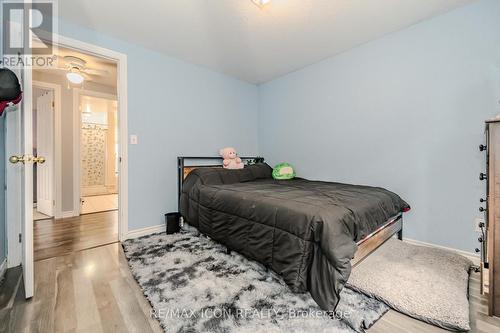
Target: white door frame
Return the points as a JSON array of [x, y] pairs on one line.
[[77, 133], [57, 184], [121, 62]]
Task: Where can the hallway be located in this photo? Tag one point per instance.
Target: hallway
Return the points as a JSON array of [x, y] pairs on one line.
[[63, 236]]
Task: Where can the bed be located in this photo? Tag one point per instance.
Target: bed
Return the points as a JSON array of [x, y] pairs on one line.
[[311, 233]]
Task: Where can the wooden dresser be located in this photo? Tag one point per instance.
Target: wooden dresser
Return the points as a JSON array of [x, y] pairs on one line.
[[490, 237]]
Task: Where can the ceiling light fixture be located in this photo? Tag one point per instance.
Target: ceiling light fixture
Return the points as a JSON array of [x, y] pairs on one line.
[[74, 76], [261, 3]]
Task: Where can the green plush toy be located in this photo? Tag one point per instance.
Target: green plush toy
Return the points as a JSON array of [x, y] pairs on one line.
[[283, 171]]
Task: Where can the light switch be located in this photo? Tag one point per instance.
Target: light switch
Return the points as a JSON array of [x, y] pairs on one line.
[[133, 139]]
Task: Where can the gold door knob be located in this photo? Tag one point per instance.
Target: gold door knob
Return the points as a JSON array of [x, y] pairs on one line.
[[16, 159], [39, 159]]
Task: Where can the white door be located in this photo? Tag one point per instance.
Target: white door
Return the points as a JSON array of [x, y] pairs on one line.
[[21, 173], [45, 148], [27, 188]]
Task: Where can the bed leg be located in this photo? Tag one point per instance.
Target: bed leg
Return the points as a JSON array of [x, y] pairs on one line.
[[400, 234], [228, 251]]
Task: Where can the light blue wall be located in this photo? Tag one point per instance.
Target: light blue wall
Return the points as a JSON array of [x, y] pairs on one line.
[[404, 112], [3, 233], [175, 108]]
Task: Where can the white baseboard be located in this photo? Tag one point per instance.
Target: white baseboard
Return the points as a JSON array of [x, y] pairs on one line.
[[65, 215], [145, 231], [472, 256]]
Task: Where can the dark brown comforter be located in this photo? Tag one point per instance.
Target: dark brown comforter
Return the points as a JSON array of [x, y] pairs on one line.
[[306, 231]]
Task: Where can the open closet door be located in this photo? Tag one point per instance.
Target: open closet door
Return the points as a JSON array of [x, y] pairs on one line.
[[45, 148]]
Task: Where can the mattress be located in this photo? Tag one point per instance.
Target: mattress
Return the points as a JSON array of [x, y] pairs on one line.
[[306, 231]]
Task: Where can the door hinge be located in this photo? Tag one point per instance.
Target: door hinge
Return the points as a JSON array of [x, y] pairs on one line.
[[119, 159], [53, 104], [20, 238], [53, 203]]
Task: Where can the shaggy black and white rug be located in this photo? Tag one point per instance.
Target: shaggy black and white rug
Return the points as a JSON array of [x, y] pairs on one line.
[[194, 286]]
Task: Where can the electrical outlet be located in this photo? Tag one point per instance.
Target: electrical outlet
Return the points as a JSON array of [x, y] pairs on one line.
[[477, 221]]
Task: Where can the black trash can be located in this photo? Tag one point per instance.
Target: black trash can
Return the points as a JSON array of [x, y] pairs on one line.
[[172, 220]]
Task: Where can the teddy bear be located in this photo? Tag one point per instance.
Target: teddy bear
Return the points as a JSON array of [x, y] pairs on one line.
[[231, 160]]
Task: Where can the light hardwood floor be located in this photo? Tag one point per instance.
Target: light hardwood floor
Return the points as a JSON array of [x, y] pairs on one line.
[[59, 237], [94, 291], [85, 291]]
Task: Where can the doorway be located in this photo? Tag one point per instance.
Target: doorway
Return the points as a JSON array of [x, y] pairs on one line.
[[99, 160], [76, 133], [19, 173]]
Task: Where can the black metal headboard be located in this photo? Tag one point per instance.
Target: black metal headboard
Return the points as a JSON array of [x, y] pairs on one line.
[[183, 170]]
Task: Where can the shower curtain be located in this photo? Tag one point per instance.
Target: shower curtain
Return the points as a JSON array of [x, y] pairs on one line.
[[93, 155]]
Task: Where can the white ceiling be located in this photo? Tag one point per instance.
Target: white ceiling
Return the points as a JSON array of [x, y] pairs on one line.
[[238, 38]]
